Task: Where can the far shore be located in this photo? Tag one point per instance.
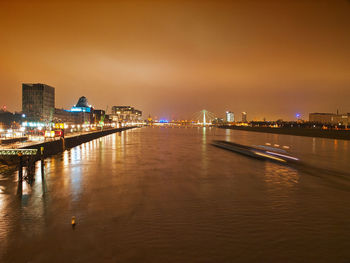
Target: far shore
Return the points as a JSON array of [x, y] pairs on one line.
[[329, 134]]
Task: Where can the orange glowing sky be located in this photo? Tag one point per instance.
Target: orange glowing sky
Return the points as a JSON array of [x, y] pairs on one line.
[[173, 58]]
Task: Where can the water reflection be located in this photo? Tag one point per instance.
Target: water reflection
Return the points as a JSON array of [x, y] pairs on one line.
[[204, 167], [144, 190], [114, 148], [228, 134], [280, 176], [120, 141], [66, 157], [204, 139], [3, 218], [335, 145], [74, 171]]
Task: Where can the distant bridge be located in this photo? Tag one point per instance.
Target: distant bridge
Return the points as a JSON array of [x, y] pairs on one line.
[[204, 117]]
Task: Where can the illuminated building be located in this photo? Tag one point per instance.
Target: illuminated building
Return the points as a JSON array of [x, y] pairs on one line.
[[244, 116], [81, 106], [38, 101], [230, 117], [80, 113], [126, 113]]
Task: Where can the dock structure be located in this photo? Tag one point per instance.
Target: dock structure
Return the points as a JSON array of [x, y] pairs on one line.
[[30, 154], [7, 152]]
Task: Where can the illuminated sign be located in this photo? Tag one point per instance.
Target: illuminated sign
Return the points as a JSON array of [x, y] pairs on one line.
[[59, 125]]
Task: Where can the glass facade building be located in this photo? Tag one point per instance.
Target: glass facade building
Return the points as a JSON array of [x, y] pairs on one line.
[[38, 101]]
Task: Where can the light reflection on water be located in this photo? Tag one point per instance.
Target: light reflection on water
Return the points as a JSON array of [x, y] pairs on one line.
[[280, 177], [167, 191]]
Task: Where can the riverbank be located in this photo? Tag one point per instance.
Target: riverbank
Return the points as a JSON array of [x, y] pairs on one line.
[[55, 147], [58, 146], [329, 134]]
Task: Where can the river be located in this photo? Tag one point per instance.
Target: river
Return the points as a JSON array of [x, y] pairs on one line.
[[167, 195]]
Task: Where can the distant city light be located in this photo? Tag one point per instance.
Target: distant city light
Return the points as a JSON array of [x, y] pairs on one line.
[[163, 121]]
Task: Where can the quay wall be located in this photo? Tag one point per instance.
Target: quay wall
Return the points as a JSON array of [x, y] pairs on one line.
[[58, 146], [330, 134]]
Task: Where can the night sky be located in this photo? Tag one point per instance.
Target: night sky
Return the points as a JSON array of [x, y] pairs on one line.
[[171, 59]]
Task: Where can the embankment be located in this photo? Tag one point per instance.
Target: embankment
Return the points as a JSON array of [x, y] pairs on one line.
[[55, 147], [330, 134], [58, 146]]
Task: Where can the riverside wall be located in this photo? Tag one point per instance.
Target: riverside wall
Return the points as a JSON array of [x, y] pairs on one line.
[[330, 134], [58, 146]]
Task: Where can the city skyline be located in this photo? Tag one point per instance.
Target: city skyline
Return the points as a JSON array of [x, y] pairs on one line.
[[174, 58]]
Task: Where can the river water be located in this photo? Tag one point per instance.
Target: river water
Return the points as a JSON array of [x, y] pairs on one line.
[[167, 195]]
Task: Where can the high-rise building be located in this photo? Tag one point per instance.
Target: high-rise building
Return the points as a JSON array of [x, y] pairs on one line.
[[230, 117], [244, 116], [38, 101]]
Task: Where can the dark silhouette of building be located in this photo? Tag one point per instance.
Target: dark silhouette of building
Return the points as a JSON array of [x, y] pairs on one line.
[[38, 101], [82, 102], [82, 105], [330, 118], [8, 119]]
